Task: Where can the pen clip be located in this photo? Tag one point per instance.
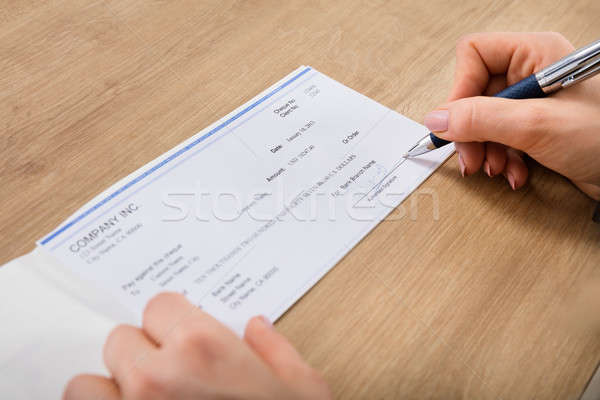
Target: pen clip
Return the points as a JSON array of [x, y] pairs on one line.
[[577, 66]]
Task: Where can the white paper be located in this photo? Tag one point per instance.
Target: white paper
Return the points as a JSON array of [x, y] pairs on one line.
[[47, 337], [248, 214]]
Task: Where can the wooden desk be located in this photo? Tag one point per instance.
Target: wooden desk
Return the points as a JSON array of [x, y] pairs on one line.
[[90, 91]]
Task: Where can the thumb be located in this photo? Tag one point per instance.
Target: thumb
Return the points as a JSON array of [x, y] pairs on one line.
[[515, 123], [284, 360], [273, 347]]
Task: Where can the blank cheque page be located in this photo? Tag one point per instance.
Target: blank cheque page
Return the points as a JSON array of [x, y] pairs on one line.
[[248, 214]]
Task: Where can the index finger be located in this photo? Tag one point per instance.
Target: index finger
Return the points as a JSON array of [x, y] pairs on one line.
[[517, 55], [170, 314]]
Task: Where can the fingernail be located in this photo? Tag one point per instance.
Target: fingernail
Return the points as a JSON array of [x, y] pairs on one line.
[[511, 180], [266, 321], [486, 168], [437, 121], [461, 163]]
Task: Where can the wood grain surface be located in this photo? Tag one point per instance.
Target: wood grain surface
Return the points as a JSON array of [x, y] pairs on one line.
[[466, 299]]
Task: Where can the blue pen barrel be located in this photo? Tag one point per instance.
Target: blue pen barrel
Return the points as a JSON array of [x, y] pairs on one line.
[[527, 88]]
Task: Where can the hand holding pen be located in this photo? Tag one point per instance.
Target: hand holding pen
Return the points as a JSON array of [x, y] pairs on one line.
[[561, 132]]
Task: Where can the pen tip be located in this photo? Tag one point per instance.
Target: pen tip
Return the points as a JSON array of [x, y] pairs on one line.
[[405, 155]]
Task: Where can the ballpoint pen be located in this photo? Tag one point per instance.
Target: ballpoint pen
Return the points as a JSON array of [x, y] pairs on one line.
[[574, 68]]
